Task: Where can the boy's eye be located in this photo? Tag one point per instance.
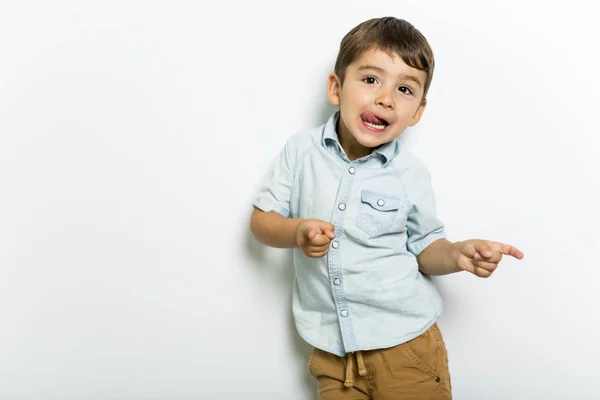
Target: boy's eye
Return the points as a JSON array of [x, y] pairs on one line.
[[405, 90], [370, 80]]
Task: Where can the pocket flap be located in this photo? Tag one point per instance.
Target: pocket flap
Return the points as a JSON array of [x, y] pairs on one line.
[[379, 201]]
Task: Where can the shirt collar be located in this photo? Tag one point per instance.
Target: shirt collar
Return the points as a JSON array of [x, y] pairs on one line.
[[387, 152]]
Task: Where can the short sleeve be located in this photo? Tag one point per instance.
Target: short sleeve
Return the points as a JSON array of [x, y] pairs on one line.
[[275, 191], [424, 227]]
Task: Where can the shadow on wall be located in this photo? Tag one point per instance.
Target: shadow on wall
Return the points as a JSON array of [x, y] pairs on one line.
[[284, 276], [324, 112]]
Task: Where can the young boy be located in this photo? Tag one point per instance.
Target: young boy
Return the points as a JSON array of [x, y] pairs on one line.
[[359, 212]]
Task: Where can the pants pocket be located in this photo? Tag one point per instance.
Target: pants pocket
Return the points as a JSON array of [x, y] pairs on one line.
[[321, 363], [428, 353], [416, 369], [417, 361]]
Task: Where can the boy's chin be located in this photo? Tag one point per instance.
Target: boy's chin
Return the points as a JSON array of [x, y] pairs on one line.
[[373, 143]]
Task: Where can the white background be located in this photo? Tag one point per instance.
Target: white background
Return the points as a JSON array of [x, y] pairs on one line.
[[133, 135]]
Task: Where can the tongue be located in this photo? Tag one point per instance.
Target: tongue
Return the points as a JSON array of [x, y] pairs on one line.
[[368, 117]]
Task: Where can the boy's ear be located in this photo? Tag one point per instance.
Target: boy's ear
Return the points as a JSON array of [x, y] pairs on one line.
[[419, 113], [333, 89]]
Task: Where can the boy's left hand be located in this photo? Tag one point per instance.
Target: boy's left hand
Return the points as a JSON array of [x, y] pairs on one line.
[[481, 257]]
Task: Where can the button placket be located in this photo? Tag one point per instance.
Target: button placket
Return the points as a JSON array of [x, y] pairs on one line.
[[333, 258]]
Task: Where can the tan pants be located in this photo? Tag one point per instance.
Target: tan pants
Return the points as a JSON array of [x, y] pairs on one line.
[[415, 370]]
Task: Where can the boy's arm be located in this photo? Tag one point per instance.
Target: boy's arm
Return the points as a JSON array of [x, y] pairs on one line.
[[273, 229], [439, 258], [311, 235], [479, 257]]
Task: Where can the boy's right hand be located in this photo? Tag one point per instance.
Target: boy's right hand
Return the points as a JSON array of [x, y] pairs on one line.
[[313, 237]]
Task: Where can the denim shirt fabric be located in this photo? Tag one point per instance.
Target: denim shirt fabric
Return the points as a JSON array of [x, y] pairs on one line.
[[367, 292]]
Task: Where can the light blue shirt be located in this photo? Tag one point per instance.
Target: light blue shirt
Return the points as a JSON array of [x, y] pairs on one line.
[[367, 292]]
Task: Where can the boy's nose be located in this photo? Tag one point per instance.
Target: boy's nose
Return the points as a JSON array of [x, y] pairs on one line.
[[385, 99]]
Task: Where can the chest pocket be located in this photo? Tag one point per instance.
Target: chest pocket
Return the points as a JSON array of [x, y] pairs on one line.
[[380, 214]]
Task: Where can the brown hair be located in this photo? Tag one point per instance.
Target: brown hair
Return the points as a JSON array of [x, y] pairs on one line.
[[392, 35]]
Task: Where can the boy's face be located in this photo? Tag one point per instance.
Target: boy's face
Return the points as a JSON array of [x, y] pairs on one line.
[[379, 98]]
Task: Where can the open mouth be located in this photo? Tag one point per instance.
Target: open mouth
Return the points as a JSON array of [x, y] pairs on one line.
[[373, 122]]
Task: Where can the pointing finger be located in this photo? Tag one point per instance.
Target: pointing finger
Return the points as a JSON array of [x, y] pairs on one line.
[[507, 249]]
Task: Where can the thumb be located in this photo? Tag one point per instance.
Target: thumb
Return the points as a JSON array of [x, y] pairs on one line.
[[483, 248], [471, 247], [311, 232], [328, 229]]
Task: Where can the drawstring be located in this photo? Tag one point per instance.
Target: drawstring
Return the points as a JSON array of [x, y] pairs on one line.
[[362, 371], [349, 375]]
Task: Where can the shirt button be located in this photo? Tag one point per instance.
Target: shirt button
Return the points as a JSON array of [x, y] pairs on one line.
[[335, 244], [342, 206], [344, 313], [380, 202], [352, 170], [337, 281]]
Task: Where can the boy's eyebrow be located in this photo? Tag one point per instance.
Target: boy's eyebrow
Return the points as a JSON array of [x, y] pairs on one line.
[[381, 70]]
